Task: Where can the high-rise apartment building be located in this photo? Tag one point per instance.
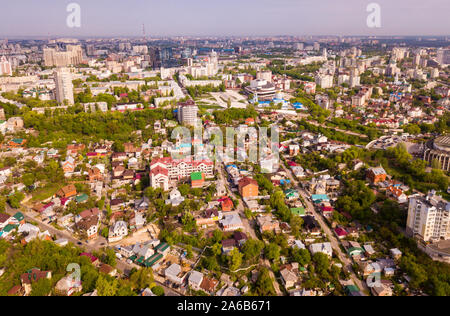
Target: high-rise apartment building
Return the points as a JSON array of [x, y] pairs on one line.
[[187, 112], [5, 67], [428, 217], [72, 56], [64, 86], [443, 56], [324, 81], [354, 79]]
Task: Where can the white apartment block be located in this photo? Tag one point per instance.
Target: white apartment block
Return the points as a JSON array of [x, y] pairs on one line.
[[187, 113], [324, 81], [54, 58], [64, 86], [428, 217]]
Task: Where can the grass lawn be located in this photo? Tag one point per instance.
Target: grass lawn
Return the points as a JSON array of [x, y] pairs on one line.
[[46, 192]]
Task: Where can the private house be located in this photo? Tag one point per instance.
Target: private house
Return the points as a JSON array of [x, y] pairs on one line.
[[118, 157], [93, 259], [395, 253], [17, 143], [87, 213], [116, 204], [299, 211], [327, 211], [240, 238], [340, 232], [376, 175], [311, 225], [17, 219], [195, 280], [267, 223], [32, 276], [369, 251], [288, 277], [248, 187], [209, 217], [175, 197], [74, 149], [197, 179], [382, 288], [324, 248], [209, 285], [320, 198], [67, 191], [231, 221], [4, 220], [174, 274], [142, 204], [228, 245], [118, 231], [107, 269], [87, 222], [95, 174], [142, 250], [118, 171], [397, 194], [89, 226], [68, 165], [226, 204], [291, 195]]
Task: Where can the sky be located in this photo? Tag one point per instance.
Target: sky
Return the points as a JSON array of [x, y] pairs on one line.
[[114, 18]]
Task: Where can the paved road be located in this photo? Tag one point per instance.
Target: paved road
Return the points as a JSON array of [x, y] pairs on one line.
[[249, 228], [335, 244]]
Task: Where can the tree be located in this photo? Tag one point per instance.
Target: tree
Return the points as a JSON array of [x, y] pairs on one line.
[[2, 203], [217, 235], [110, 257], [188, 222], [252, 249], [158, 290], [42, 287], [28, 179], [105, 287], [210, 263], [296, 225], [264, 284], [15, 199], [302, 256], [322, 263], [142, 278], [234, 259], [272, 251], [189, 253]]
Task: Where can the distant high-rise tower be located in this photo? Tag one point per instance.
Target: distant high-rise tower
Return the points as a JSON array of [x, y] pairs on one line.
[[73, 56], [443, 56], [64, 86], [5, 67]]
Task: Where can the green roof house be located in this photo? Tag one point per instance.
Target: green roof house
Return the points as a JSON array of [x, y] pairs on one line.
[[300, 211]]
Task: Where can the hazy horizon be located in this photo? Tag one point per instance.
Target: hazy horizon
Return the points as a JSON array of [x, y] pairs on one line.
[[232, 18]]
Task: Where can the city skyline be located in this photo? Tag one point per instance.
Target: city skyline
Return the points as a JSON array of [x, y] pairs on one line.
[[233, 18]]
